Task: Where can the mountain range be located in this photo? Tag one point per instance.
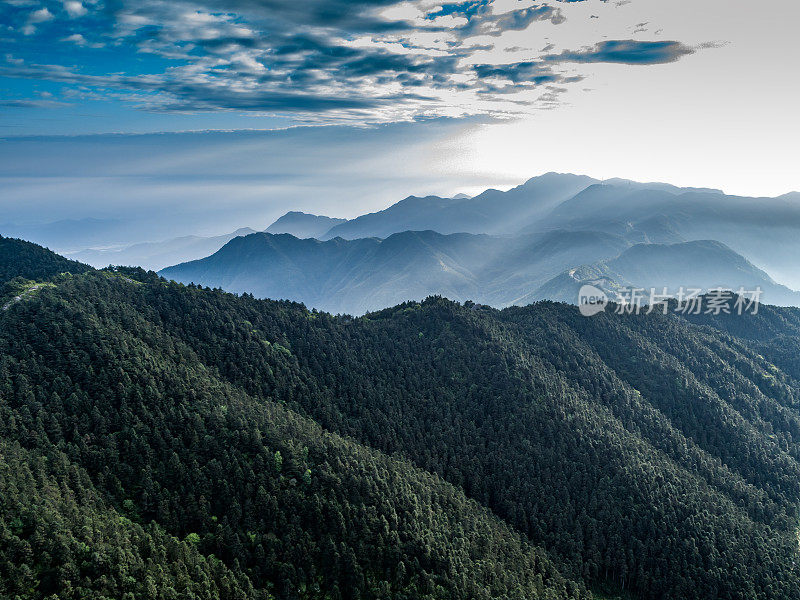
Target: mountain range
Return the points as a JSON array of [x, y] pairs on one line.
[[493, 211], [359, 275], [161, 254], [764, 229], [541, 240], [162, 440]]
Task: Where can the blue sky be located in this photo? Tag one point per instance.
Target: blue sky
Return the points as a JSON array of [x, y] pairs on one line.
[[695, 92]]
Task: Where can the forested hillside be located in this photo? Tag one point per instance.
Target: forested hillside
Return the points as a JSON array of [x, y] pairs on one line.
[[132, 469], [21, 258], [161, 440]]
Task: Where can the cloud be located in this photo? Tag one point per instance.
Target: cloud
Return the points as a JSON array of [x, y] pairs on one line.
[[519, 20], [75, 9], [521, 72], [628, 52], [40, 16], [188, 93], [79, 40], [32, 103], [324, 60], [75, 38]]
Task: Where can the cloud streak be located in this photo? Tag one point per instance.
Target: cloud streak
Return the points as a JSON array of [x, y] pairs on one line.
[[627, 52]]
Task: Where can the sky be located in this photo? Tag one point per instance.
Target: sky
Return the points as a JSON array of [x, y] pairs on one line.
[[200, 116]]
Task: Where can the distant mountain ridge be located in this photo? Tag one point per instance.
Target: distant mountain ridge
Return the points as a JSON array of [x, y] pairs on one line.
[[157, 255], [492, 211], [535, 241], [357, 276], [540, 240], [674, 267], [304, 225]]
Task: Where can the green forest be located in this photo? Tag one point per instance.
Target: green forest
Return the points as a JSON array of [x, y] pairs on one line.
[[164, 441]]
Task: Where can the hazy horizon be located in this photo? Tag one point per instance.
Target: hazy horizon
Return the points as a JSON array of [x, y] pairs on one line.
[[342, 108]]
